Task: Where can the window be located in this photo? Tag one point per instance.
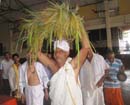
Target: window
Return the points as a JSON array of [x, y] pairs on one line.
[[124, 43]]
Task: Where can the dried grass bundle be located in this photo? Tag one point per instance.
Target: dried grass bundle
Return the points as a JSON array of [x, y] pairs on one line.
[[55, 22]]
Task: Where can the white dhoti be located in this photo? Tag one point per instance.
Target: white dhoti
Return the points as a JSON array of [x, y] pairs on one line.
[[34, 95], [96, 98], [64, 90]]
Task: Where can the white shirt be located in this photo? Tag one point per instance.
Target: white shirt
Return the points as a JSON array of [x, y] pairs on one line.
[[0, 66], [6, 65], [49, 74], [0, 63], [40, 69]]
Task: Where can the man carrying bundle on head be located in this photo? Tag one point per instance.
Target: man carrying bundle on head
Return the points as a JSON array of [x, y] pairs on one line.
[[59, 22], [64, 85]]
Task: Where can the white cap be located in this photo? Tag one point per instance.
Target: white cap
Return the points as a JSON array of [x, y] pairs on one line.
[[62, 44]]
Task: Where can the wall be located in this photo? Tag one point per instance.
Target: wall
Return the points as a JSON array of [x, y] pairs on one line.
[[124, 7], [88, 12], [4, 36]]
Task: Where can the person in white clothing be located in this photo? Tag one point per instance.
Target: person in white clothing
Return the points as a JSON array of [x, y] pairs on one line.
[[14, 76], [92, 76], [33, 79], [6, 65], [0, 73], [64, 84]]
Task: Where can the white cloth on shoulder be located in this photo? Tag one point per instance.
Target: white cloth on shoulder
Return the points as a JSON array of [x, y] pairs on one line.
[[64, 90]]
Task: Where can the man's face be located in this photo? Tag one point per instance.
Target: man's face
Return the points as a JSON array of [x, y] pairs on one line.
[[16, 59], [30, 57], [111, 57], [7, 56], [60, 55]]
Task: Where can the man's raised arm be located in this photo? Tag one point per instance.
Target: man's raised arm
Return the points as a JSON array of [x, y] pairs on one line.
[[82, 54], [47, 62]]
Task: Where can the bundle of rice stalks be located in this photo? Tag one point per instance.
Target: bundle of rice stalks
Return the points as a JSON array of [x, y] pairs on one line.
[[55, 22]]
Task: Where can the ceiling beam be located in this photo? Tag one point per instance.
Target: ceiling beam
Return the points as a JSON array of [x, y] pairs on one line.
[[116, 21]]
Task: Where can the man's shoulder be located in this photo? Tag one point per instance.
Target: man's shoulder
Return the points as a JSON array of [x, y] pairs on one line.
[[3, 61], [23, 65], [39, 65], [118, 60], [11, 61], [69, 59], [99, 56]]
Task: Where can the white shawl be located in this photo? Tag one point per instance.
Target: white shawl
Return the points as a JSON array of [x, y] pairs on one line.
[[64, 90]]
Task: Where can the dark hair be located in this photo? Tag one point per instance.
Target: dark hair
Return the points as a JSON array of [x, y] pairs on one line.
[[15, 54], [22, 60], [109, 51]]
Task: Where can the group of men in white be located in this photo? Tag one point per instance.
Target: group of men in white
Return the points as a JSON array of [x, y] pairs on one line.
[[77, 81]]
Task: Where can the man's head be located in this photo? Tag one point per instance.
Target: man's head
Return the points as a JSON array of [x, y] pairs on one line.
[[61, 50], [7, 55], [15, 58], [30, 57], [110, 56]]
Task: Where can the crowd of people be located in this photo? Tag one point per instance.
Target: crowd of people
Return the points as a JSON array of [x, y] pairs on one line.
[[86, 79]]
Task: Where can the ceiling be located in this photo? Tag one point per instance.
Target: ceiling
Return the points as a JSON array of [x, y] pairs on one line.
[[12, 10]]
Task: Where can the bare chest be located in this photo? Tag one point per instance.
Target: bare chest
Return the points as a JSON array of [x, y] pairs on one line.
[[32, 77]]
